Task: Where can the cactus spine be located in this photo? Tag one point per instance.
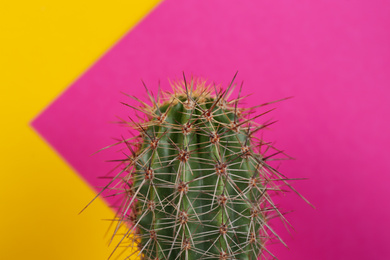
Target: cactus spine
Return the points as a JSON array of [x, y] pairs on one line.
[[196, 179]]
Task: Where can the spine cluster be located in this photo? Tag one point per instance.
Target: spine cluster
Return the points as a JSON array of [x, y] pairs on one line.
[[197, 180]]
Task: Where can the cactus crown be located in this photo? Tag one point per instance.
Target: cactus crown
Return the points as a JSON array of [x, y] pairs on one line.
[[197, 180]]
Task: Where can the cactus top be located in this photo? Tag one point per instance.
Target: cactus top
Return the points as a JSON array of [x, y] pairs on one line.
[[196, 179]]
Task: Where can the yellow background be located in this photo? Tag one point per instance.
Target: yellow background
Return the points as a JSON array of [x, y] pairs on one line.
[[44, 46]]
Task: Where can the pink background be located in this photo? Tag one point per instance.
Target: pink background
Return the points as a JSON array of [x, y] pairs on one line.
[[332, 56]]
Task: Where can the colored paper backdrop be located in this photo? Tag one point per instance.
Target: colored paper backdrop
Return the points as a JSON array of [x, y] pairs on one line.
[[332, 56]]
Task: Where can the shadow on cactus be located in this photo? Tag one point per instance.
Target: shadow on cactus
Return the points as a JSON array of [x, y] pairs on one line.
[[196, 181]]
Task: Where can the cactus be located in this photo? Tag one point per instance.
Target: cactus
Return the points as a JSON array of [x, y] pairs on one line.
[[197, 181]]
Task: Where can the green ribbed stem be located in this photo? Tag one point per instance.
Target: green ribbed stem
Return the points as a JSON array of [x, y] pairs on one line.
[[199, 192]]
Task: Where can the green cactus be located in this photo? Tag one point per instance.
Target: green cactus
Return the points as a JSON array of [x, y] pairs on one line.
[[196, 179]]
